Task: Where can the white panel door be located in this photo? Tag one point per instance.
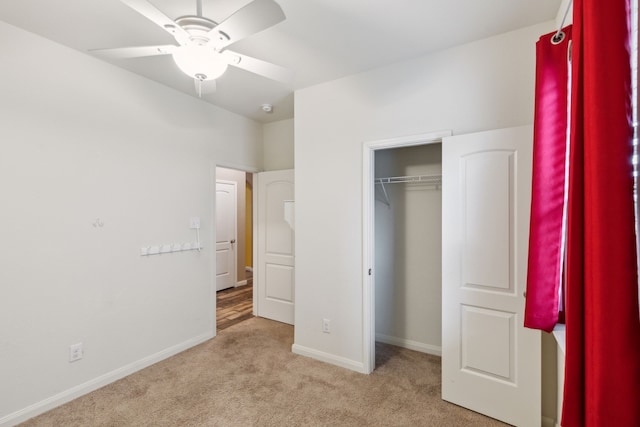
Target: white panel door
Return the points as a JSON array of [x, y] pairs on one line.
[[275, 266], [490, 362], [226, 232]]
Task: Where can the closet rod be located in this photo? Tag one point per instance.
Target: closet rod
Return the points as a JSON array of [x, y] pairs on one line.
[[411, 179], [424, 179]]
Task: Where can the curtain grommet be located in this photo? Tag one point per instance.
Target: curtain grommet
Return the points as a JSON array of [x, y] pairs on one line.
[[558, 37]]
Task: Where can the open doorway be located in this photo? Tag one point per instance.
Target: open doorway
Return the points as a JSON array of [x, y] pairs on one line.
[[408, 247], [386, 310], [234, 247], [486, 195]]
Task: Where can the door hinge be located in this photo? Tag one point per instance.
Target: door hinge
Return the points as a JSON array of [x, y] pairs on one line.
[[369, 272]]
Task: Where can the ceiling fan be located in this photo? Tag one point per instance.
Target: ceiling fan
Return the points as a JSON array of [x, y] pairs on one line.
[[202, 52]]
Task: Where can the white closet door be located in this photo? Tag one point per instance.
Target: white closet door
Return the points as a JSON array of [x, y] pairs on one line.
[[490, 362], [226, 232]]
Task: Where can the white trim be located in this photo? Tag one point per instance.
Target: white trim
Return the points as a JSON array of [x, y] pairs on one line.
[[329, 358], [241, 283], [241, 168], [409, 344], [368, 260], [549, 422], [254, 223], [247, 268], [560, 334], [213, 322], [94, 384], [408, 141], [368, 237]]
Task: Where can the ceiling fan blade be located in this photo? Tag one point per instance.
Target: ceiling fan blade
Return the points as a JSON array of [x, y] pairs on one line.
[[250, 19], [204, 87], [135, 52], [153, 14], [258, 66]]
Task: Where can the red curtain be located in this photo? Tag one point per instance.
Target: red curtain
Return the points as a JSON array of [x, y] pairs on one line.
[[602, 365], [544, 273]]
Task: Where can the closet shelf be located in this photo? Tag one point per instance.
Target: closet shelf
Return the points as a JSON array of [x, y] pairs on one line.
[[424, 179], [435, 180]]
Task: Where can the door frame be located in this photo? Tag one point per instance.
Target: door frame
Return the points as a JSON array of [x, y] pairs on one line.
[[212, 234], [368, 232]]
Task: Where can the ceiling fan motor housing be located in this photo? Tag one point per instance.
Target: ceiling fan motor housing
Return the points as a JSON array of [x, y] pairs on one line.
[[198, 58]]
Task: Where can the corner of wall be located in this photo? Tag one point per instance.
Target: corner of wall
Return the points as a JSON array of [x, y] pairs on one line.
[[278, 145]]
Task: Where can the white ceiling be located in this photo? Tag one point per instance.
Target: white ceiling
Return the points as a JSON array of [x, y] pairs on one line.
[[320, 40]]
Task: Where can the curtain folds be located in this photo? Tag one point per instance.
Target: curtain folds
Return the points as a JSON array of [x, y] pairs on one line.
[[546, 233], [589, 223], [602, 365]]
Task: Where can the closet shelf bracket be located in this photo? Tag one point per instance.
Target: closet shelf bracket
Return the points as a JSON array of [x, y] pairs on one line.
[[386, 196]]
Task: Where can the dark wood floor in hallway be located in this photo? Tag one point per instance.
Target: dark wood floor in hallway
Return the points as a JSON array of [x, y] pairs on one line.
[[234, 305]]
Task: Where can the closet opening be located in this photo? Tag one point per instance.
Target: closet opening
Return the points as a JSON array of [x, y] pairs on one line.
[[403, 244]]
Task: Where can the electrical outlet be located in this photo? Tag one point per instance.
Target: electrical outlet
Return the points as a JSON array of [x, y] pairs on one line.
[[326, 326], [75, 352]]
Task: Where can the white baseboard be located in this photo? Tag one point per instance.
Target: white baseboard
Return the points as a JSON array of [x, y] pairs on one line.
[[94, 384], [241, 283], [411, 345], [549, 422], [329, 358], [247, 268]]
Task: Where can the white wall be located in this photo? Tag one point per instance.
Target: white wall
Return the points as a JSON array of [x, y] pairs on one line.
[[278, 145], [408, 251], [81, 140], [483, 85], [564, 11]]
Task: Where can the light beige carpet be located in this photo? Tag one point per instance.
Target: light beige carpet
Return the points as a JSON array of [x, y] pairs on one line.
[[247, 376]]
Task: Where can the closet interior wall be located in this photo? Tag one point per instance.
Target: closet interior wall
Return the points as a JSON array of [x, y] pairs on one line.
[[408, 254]]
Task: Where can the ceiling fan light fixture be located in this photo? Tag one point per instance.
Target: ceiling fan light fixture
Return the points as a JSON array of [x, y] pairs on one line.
[[200, 62]]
